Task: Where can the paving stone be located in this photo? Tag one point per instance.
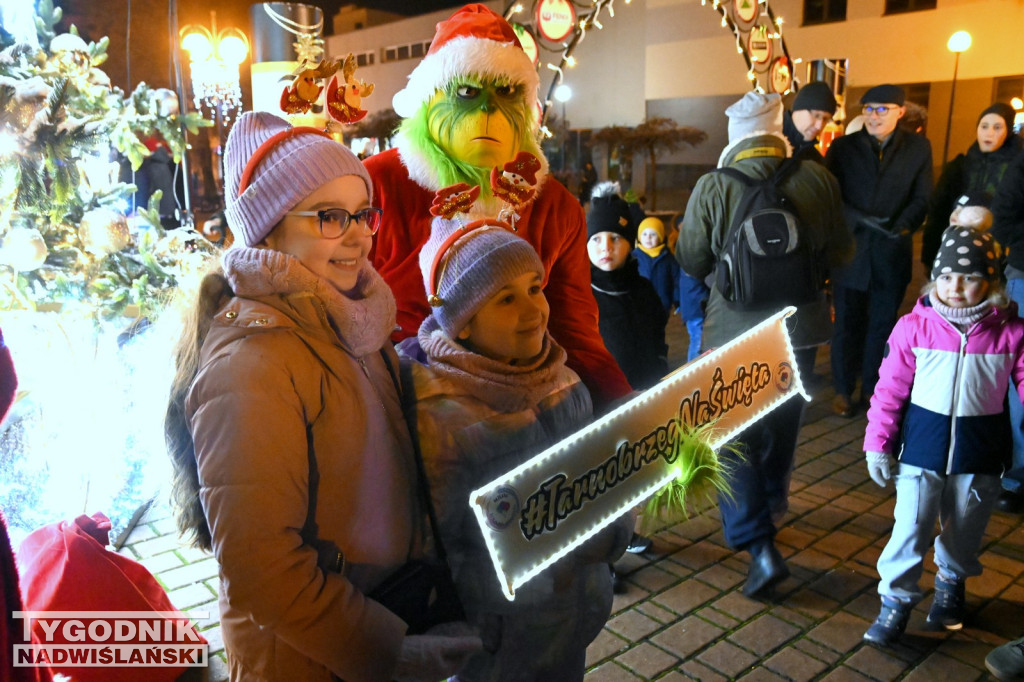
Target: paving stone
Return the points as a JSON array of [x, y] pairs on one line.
[[766, 633], [658, 613], [941, 667], [844, 674], [632, 625], [762, 674], [738, 606], [795, 665], [188, 574], [876, 663], [686, 597], [841, 584], [727, 658], [695, 670], [841, 544], [653, 579], [610, 672], [186, 597], [841, 632], [604, 646], [647, 660], [687, 636], [161, 562], [721, 577]]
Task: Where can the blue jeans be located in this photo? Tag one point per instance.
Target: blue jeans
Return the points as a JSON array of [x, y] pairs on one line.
[[695, 328], [759, 479], [1013, 479]]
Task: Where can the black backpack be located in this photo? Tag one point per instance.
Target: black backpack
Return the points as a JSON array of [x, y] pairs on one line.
[[766, 261]]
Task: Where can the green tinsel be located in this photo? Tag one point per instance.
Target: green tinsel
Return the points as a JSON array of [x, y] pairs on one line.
[[701, 478]]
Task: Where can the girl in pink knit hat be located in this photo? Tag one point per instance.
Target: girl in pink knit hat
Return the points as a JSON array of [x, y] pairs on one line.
[[293, 464]]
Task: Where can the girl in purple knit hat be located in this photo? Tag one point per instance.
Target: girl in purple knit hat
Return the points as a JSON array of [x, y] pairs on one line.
[[492, 390], [292, 461]]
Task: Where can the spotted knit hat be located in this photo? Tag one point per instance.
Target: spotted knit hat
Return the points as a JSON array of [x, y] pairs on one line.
[[462, 272], [969, 252]]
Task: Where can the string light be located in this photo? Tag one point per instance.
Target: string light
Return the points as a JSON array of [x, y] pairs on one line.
[[772, 31]]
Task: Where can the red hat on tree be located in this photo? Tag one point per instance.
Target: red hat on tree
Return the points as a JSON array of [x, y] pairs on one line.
[[472, 42]]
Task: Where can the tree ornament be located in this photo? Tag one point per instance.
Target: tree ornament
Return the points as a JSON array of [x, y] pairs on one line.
[[70, 52], [165, 102], [23, 249], [103, 231]]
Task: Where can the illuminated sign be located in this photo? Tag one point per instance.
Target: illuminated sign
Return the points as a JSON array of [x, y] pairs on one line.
[[745, 11], [781, 76], [549, 505], [759, 45], [528, 42], [556, 19]]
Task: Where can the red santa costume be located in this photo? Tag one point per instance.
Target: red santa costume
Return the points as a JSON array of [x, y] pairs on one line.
[[478, 41]]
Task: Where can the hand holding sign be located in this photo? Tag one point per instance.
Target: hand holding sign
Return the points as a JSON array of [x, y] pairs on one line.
[[554, 502]]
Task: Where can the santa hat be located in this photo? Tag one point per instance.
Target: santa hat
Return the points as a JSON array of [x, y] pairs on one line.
[[473, 41], [525, 165]]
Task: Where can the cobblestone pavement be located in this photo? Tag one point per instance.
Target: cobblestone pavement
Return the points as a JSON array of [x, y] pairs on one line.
[[684, 616]]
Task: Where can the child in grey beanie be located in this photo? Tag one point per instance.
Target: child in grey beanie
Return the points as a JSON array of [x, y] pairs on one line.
[[493, 390]]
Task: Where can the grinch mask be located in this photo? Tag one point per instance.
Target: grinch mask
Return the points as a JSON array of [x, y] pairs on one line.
[[478, 123]]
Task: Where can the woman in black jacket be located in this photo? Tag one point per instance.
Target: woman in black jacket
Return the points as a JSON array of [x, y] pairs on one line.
[[978, 171]]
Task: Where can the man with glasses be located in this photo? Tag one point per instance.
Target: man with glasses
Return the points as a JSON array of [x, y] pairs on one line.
[[812, 110], [885, 174]]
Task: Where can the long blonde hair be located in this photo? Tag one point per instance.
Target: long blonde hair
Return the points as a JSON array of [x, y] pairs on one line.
[[214, 291]]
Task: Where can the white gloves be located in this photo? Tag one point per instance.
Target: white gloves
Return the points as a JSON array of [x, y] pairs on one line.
[[437, 654], [878, 467]]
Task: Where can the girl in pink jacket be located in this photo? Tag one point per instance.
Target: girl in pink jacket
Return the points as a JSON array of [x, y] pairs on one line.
[[938, 407]]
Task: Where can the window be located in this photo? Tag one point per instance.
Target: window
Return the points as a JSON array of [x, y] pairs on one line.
[[1008, 88], [897, 6], [408, 51], [824, 11], [365, 59]]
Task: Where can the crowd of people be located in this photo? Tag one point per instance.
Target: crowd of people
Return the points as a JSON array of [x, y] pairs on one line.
[[358, 363]]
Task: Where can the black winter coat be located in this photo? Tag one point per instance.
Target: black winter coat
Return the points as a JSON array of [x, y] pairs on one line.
[[1008, 213], [884, 201], [632, 323], [975, 171]]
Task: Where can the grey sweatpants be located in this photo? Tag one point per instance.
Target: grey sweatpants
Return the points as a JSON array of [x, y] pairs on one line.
[[962, 503]]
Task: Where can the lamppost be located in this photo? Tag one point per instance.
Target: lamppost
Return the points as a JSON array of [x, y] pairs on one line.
[[563, 93], [214, 57], [957, 43]]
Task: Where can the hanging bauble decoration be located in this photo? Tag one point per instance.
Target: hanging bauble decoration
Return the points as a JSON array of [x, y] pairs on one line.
[[70, 52], [103, 231], [165, 102], [23, 248]]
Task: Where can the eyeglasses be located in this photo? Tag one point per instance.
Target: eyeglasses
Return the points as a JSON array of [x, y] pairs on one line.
[[881, 110], [334, 222]]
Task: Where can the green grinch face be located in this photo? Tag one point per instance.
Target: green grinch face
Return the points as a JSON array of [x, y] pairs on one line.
[[479, 122]]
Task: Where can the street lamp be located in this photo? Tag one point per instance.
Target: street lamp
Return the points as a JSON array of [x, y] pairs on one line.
[[957, 43], [215, 56], [563, 93]]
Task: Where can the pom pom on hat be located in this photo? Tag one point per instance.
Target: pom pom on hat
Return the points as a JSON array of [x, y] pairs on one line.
[[815, 96], [281, 175], [755, 112], [473, 41], [472, 269], [885, 94], [610, 213], [967, 251], [972, 211]]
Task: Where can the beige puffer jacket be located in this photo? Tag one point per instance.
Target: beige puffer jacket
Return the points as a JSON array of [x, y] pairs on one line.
[[271, 366]]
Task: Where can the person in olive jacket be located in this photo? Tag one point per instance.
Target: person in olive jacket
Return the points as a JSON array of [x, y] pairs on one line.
[[885, 174], [759, 478]]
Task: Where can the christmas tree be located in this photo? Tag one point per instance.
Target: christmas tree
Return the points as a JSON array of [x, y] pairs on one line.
[[79, 278], [64, 234]]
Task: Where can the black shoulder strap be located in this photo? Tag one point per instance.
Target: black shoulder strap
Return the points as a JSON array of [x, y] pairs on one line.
[[406, 393]]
